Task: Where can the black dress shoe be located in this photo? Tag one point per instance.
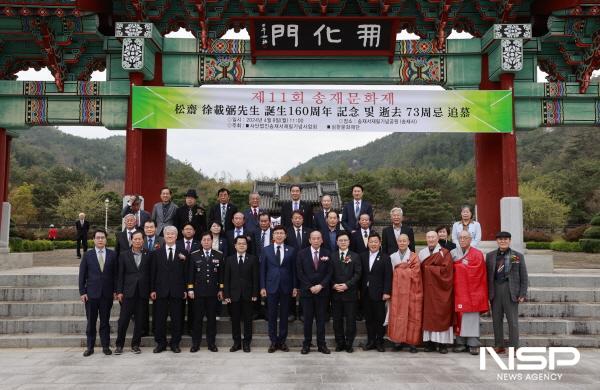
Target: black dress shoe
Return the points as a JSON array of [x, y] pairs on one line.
[[474, 350], [323, 349], [118, 350], [272, 348], [235, 347], [397, 347], [460, 348], [429, 347], [176, 349], [443, 349], [412, 349], [340, 348], [106, 351], [88, 352], [380, 348], [213, 348], [350, 349], [159, 349], [246, 347], [284, 347], [291, 318], [194, 349], [136, 349], [368, 346], [305, 350]]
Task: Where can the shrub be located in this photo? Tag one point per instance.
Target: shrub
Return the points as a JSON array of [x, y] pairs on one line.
[[538, 245], [67, 233], [24, 233], [64, 245], [537, 236], [595, 221], [592, 232], [564, 246], [15, 244], [31, 245], [575, 234], [590, 245]]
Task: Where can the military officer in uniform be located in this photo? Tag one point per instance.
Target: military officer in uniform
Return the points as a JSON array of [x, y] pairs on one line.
[[205, 288]]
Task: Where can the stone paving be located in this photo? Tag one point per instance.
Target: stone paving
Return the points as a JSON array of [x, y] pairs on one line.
[[66, 368]]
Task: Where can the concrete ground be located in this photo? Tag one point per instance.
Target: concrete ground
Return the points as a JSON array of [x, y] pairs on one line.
[[67, 369]]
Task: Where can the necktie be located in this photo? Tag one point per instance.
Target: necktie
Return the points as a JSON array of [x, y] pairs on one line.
[[190, 215], [130, 236], [295, 206], [278, 254], [238, 232], [255, 214], [165, 210], [101, 260], [188, 246], [342, 257], [357, 209], [150, 242], [262, 239], [316, 260], [138, 259], [299, 237], [223, 212], [365, 237], [207, 254], [241, 260], [170, 254]]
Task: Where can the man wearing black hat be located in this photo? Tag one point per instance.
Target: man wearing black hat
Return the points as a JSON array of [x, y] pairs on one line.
[[507, 287], [190, 212]]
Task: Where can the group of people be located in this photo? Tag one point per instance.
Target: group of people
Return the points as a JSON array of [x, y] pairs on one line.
[[311, 265]]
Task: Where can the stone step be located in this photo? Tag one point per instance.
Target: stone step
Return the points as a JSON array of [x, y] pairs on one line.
[[39, 293], [559, 309], [571, 279], [224, 341], [74, 324], [563, 294], [40, 277]]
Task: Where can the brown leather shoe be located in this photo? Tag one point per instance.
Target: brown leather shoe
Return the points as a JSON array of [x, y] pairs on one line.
[[499, 350]]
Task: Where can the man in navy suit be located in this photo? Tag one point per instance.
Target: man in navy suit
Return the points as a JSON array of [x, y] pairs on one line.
[[167, 286], [278, 283], [133, 291], [331, 231], [223, 211], [252, 213], [263, 237], [313, 267], [377, 275], [352, 210], [360, 237], [297, 236], [97, 287], [320, 216], [295, 204], [239, 229]]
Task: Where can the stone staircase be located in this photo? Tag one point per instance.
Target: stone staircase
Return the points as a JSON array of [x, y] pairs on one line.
[[40, 307]]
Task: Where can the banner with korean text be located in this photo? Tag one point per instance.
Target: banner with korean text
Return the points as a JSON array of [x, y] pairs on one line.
[[314, 109]]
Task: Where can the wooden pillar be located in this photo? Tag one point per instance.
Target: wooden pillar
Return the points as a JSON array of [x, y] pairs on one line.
[[496, 169], [145, 151]]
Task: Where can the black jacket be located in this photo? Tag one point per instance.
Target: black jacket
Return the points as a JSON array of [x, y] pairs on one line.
[[205, 274], [388, 243], [131, 278], [215, 215], [378, 280], [291, 240], [304, 207], [241, 282], [167, 278], [308, 276], [198, 219], [346, 272]]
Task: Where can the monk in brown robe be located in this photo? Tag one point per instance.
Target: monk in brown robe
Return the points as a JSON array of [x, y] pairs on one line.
[[438, 306], [405, 317]]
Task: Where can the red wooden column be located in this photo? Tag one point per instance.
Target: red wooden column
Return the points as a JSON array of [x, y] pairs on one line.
[[145, 151], [496, 170]]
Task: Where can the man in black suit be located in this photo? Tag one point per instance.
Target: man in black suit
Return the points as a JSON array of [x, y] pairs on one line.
[[295, 204], [123, 241], [390, 234], [152, 242], [313, 268], [252, 213], [241, 286], [223, 211], [352, 210], [133, 206], [345, 281], [239, 229], [133, 291], [82, 227], [331, 232], [167, 286], [188, 244], [320, 216], [359, 239], [205, 288], [192, 213], [264, 235], [377, 274], [297, 236], [97, 288]]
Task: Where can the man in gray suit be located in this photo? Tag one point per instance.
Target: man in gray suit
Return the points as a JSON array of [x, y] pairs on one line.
[[507, 287], [164, 211]]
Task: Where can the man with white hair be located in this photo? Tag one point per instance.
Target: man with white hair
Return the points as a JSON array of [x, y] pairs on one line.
[[167, 289], [438, 312], [390, 234], [470, 293]]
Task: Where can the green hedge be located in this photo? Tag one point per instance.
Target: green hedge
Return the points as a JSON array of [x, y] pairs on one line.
[[592, 232], [590, 245], [595, 221], [17, 244], [538, 245], [565, 246]]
